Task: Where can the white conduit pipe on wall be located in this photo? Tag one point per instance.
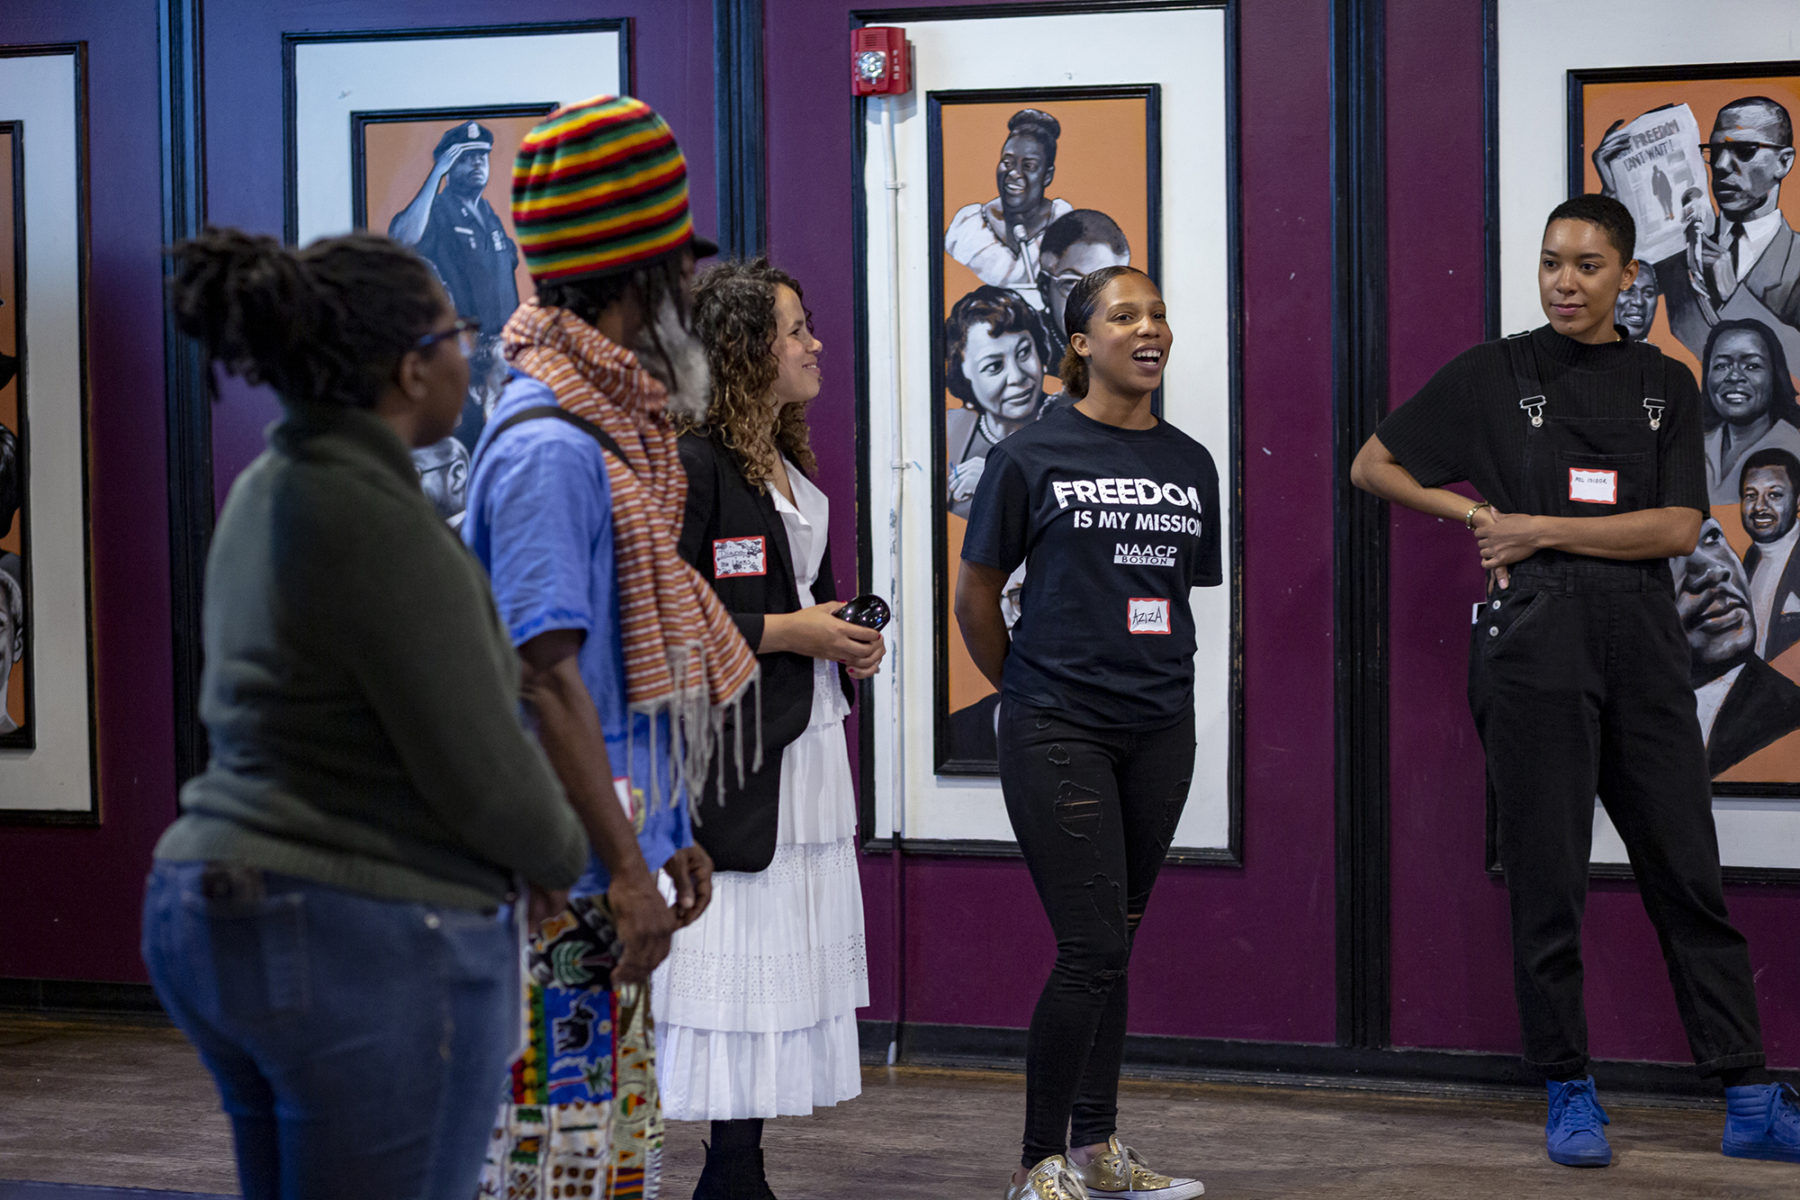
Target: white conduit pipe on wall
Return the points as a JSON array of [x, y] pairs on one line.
[[896, 504]]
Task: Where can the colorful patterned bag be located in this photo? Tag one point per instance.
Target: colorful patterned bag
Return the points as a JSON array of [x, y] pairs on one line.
[[582, 1121]]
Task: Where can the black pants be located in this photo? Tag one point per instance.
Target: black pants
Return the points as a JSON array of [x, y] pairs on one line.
[[1578, 679], [1094, 813]]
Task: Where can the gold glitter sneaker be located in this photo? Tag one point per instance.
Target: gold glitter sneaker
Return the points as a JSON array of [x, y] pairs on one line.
[[1052, 1179], [1120, 1174]]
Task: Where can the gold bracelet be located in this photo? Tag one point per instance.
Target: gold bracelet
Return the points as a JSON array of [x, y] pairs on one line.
[[1469, 517]]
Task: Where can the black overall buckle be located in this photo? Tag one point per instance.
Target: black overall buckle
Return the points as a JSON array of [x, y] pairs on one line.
[[1655, 409], [1535, 406]]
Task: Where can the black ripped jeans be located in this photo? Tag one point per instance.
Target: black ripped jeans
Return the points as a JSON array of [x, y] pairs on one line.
[[1094, 812]]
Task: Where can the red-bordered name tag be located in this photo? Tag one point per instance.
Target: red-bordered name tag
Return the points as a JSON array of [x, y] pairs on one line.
[[734, 557], [1147, 616], [1588, 485]]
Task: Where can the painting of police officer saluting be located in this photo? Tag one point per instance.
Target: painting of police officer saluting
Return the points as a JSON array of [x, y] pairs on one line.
[[440, 181]]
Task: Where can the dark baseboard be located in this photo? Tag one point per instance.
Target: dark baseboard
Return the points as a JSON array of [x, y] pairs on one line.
[[73, 997], [1293, 1064]]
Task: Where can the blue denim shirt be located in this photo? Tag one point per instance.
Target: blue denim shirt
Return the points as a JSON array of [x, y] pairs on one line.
[[540, 520]]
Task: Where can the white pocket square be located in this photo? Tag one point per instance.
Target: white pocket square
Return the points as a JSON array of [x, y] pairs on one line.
[[1791, 604]]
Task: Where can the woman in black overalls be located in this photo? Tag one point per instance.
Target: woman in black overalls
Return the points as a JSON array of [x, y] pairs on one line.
[[1585, 449]]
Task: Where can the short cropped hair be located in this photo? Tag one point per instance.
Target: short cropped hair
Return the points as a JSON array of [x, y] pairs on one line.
[[1771, 456], [1083, 225], [1781, 123], [1612, 218]]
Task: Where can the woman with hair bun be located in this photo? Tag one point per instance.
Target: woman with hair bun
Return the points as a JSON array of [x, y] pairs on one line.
[[1096, 719], [325, 919], [999, 240], [756, 1005]]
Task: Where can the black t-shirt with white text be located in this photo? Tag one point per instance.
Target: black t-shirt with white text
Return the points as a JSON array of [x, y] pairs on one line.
[[1115, 527]]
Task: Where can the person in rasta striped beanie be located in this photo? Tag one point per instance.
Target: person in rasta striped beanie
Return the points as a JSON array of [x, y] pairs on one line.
[[633, 670]]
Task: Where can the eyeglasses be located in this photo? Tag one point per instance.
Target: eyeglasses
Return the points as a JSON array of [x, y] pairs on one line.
[[466, 331], [1738, 150]]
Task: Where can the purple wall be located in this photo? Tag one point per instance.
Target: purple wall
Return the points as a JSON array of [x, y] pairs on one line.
[[1452, 977], [1222, 953], [672, 64], [71, 895]]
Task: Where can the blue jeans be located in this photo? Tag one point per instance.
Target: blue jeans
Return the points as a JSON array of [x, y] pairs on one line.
[[360, 1045]]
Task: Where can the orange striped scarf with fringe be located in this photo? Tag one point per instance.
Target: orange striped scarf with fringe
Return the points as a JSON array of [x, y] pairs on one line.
[[683, 653]]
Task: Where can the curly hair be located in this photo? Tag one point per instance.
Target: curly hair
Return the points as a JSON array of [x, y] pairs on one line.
[[734, 316], [1003, 311], [327, 323]]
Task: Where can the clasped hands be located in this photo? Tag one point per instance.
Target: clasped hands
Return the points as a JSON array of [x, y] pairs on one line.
[[1503, 539]]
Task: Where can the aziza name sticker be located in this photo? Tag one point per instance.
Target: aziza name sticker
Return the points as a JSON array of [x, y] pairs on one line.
[[734, 557], [1147, 616], [1591, 486]]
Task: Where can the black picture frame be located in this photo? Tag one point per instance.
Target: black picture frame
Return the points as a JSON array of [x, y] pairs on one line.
[[1580, 80], [944, 760], [25, 736], [871, 840], [361, 120], [1576, 80], [291, 42], [91, 814]]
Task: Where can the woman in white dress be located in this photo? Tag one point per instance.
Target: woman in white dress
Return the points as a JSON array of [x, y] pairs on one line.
[[756, 1005]]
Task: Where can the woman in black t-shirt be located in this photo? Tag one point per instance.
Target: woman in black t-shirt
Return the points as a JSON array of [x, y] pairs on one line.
[[1115, 513]]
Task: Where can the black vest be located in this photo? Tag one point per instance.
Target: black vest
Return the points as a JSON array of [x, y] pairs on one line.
[[724, 521]]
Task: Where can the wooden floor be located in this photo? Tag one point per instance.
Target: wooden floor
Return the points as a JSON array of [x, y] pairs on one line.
[[127, 1106]]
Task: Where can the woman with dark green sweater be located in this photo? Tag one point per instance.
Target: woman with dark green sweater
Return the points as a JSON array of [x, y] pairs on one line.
[[325, 920]]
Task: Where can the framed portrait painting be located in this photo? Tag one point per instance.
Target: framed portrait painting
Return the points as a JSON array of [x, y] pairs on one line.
[[413, 134], [1014, 175], [1670, 116], [1032, 190], [46, 713], [15, 664]]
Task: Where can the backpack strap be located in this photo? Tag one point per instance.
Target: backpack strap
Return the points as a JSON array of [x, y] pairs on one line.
[[562, 414]]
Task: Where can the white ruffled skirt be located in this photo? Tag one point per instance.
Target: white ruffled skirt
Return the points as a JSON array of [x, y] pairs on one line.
[[756, 1004]]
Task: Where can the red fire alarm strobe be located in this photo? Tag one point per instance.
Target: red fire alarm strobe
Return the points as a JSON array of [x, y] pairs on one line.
[[880, 61]]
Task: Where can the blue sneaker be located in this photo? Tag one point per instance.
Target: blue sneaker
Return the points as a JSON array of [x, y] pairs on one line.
[[1762, 1121], [1573, 1135]]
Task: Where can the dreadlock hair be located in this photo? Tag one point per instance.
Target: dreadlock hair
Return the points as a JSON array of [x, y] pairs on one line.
[[1078, 310], [734, 315], [328, 323], [654, 284]]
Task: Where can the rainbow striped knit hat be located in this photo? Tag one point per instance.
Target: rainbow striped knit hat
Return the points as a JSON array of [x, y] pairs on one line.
[[599, 187]]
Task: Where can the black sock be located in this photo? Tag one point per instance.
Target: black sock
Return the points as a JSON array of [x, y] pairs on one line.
[[1746, 1077], [732, 1137], [1567, 1076]]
